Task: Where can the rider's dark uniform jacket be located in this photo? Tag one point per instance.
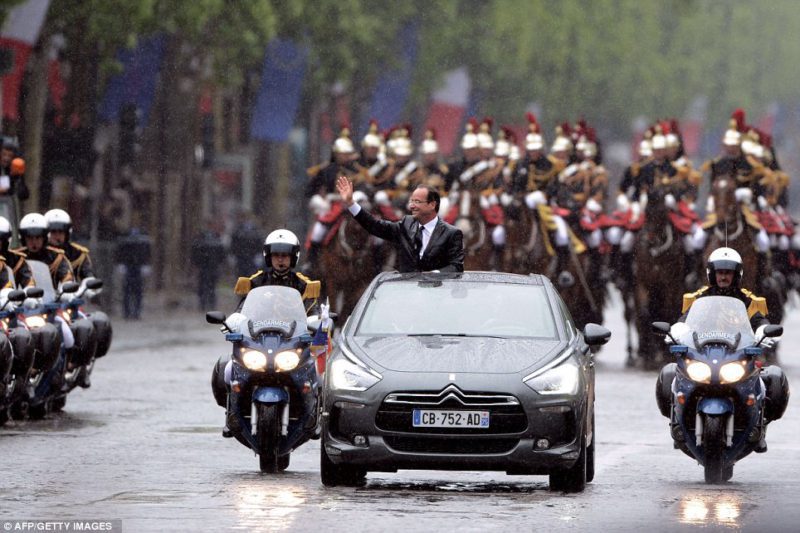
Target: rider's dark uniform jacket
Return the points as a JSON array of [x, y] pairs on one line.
[[15, 260], [60, 270], [79, 260], [309, 289], [756, 305]]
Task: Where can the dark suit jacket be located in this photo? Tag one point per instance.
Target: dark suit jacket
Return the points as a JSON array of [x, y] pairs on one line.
[[445, 250]]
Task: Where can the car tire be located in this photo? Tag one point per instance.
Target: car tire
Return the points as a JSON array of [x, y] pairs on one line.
[[334, 475], [571, 479]]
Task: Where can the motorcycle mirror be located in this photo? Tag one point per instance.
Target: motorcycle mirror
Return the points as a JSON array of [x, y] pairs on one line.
[[215, 317], [94, 284], [70, 286], [660, 327], [595, 334], [16, 295], [34, 292], [773, 330]]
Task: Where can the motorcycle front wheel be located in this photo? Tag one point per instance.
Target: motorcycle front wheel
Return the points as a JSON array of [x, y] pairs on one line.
[[714, 447], [269, 435]]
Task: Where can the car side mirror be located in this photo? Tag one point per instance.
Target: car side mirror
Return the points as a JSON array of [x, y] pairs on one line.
[[34, 292], [595, 334], [215, 317]]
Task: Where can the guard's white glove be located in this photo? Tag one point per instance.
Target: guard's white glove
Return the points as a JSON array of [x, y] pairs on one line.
[[636, 211], [325, 318], [677, 330], [623, 204], [766, 342], [762, 203], [237, 323], [743, 195], [146, 271], [670, 202], [593, 205]]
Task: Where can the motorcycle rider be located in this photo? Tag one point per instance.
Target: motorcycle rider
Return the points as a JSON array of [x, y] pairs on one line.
[[281, 255], [20, 276], [59, 226], [724, 270], [33, 234]]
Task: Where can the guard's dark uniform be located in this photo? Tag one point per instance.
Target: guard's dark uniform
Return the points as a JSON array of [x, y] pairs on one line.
[[55, 258], [756, 305]]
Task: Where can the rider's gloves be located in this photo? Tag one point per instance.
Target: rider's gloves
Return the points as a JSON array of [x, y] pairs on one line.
[[767, 342], [677, 330]]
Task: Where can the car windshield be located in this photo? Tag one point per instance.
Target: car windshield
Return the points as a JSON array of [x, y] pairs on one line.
[[458, 307], [718, 319], [275, 307]]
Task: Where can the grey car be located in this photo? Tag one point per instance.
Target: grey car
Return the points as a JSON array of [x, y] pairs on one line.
[[465, 371]]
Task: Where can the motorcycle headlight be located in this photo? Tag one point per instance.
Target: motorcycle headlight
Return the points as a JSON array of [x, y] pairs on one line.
[[287, 360], [346, 375], [732, 372], [35, 321], [698, 371], [562, 379], [254, 360]]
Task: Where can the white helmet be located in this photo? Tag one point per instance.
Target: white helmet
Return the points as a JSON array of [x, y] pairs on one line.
[[5, 229], [58, 220], [724, 259], [32, 224], [282, 241]]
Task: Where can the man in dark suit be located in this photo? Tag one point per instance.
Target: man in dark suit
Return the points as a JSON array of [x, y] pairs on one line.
[[423, 241]]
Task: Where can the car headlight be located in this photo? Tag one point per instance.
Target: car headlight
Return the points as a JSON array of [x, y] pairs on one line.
[[346, 375], [35, 321], [698, 371], [287, 360], [732, 372], [562, 379], [254, 360]]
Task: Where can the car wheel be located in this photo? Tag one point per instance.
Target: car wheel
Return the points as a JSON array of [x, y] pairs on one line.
[[338, 475], [571, 479]]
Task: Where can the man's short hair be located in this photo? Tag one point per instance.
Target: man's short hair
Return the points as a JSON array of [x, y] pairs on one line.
[[433, 195]]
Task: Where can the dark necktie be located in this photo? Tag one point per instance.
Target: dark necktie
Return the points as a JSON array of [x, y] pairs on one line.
[[418, 240]]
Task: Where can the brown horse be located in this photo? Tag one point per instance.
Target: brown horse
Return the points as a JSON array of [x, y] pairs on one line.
[[658, 271], [526, 248], [477, 233], [347, 266], [734, 229]]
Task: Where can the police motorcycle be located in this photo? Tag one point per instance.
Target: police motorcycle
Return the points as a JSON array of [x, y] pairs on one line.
[[718, 398], [81, 357], [15, 353], [273, 389], [53, 375]]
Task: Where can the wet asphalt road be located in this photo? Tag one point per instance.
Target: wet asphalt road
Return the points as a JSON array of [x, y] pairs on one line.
[[143, 445]]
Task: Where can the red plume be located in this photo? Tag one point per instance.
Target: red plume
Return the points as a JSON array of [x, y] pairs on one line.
[[533, 125], [738, 116], [673, 124]]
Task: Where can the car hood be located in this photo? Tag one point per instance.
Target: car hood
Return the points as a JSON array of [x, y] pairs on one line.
[[456, 354]]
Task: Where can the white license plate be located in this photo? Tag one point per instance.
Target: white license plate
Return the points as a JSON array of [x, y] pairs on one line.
[[422, 418]]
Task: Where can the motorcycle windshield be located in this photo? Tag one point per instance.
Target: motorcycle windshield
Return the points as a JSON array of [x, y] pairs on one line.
[[718, 319], [41, 276], [274, 308]]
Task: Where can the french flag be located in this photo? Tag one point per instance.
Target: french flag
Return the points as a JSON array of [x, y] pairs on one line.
[[448, 106], [19, 33]]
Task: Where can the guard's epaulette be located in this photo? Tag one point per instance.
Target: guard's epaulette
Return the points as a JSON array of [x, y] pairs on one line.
[[79, 247], [444, 169], [758, 304], [56, 250], [313, 288], [635, 169], [244, 284], [690, 297], [19, 252]]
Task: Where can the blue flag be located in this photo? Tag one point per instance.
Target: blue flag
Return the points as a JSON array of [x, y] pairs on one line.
[[391, 91], [137, 82], [281, 89]]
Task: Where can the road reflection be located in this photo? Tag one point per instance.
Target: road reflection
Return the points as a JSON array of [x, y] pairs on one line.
[[723, 509], [263, 504]]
